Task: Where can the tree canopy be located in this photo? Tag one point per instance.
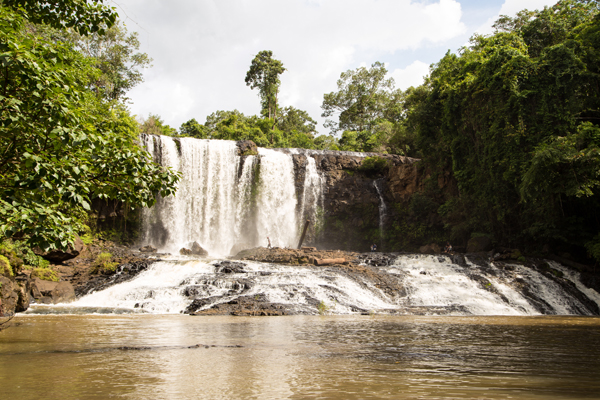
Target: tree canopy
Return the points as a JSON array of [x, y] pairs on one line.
[[62, 144]]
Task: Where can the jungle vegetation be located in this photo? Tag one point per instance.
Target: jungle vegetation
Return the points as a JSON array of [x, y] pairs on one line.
[[513, 118]]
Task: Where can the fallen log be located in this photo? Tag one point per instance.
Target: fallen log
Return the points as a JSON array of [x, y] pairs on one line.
[[329, 261]]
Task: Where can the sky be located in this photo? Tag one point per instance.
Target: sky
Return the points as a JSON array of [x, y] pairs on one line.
[[202, 49]]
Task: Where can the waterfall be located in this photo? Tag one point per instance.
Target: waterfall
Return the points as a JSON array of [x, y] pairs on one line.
[[382, 207], [227, 202], [312, 196]]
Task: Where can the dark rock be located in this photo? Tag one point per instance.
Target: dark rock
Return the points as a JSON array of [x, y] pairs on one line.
[[41, 288], [432, 248], [479, 244], [9, 296], [148, 249], [197, 250], [230, 267], [185, 252], [256, 305], [63, 293], [247, 148], [59, 256]]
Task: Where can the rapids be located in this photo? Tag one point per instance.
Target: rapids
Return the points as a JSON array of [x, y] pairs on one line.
[[409, 285]]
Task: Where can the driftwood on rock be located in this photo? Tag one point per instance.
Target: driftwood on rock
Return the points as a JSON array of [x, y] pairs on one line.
[[329, 261]]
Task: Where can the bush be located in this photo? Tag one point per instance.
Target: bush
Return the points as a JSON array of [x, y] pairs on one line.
[[103, 264], [45, 274], [5, 268], [374, 165]]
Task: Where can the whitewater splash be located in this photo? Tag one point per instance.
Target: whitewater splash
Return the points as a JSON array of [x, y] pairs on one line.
[[227, 202], [423, 284]]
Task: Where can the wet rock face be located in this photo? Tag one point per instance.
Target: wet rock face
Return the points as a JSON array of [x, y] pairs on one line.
[[256, 305], [247, 148]]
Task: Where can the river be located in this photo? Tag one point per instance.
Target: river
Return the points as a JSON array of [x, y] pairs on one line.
[[143, 356]]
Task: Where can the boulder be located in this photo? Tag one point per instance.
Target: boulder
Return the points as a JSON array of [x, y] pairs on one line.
[[63, 292], [230, 267], [9, 296], [148, 249], [479, 244], [59, 256], [185, 252], [197, 250], [432, 248]]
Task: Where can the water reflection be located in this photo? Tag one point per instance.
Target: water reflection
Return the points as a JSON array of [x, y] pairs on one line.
[[157, 357]]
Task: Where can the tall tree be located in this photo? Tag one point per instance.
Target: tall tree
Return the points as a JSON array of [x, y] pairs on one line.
[[264, 74], [361, 100]]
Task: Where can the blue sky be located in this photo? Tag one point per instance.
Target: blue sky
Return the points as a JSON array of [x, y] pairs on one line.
[[203, 48]]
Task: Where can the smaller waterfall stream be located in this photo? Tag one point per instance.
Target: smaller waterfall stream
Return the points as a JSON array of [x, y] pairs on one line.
[[382, 206]]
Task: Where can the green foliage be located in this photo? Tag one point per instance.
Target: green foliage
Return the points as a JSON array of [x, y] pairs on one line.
[[5, 267], [45, 274], [192, 128], [264, 74], [361, 99], [325, 142], [154, 125], [322, 308], [115, 54], [63, 145], [103, 264], [374, 165], [82, 15], [514, 116]]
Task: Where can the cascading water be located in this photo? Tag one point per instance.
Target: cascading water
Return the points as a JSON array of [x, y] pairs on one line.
[[382, 206], [410, 284], [312, 196], [226, 202]]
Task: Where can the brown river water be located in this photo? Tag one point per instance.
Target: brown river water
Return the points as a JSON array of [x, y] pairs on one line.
[[299, 357]]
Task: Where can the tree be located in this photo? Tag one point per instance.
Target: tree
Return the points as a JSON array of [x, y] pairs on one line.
[[116, 55], [83, 16], [293, 120], [60, 144], [361, 100], [514, 117], [192, 128], [264, 74], [154, 125]]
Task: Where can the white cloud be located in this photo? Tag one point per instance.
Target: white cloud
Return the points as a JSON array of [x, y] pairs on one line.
[[202, 49], [411, 75]]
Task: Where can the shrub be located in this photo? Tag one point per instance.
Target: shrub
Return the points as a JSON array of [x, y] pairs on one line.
[[45, 274], [103, 264], [374, 165], [5, 268]]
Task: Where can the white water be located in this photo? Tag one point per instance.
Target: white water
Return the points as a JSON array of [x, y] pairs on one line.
[[433, 285], [226, 202], [382, 206]]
